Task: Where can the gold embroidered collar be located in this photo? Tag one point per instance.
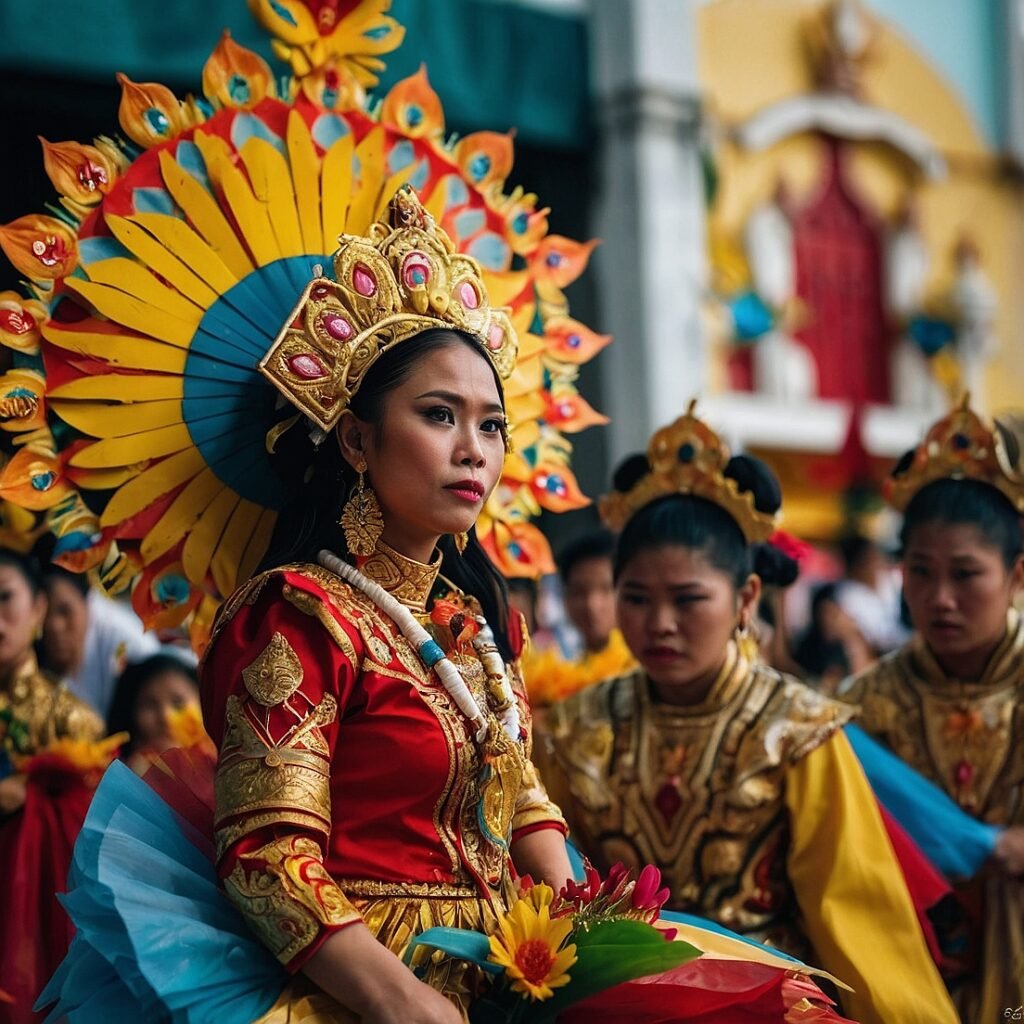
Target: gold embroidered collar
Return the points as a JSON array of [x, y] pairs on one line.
[[1003, 666], [403, 578], [18, 682], [729, 681]]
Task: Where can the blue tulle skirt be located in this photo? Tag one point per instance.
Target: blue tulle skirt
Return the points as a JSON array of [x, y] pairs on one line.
[[156, 939]]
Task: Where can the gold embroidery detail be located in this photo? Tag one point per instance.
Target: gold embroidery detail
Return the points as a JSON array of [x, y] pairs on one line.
[[715, 822], [313, 606], [276, 674], [372, 888], [255, 773], [287, 901], [406, 580]]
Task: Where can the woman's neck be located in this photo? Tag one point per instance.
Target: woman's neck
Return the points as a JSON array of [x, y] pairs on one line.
[[689, 694], [967, 666], [419, 549]]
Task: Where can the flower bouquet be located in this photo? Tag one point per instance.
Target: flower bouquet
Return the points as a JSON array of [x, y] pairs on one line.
[[551, 951]]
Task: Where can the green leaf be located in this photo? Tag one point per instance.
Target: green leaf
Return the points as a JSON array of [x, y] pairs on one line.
[[458, 942], [609, 953]]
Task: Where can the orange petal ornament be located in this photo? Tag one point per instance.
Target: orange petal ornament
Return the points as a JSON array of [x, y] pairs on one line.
[[485, 159], [413, 107], [163, 598], [571, 413], [42, 248], [569, 341], [33, 480], [559, 261], [82, 173], [20, 322], [556, 489], [235, 76], [149, 113]]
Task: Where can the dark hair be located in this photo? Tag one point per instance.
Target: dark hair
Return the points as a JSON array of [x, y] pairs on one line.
[[853, 547], [53, 573], [27, 565], [701, 525], [596, 544], [968, 502], [130, 684], [310, 521]]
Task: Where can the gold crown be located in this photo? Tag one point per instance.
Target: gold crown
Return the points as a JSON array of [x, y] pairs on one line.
[[961, 446], [404, 278], [688, 457]]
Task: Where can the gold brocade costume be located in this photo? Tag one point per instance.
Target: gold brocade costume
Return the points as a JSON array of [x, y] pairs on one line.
[[349, 785], [754, 807], [697, 791], [48, 710], [967, 739]]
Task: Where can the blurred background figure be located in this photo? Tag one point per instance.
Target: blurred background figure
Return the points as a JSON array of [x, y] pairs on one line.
[[589, 590], [869, 593], [88, 639], [832, 646], [156, 701]]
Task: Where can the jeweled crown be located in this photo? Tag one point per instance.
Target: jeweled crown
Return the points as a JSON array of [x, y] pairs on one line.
[[688, 457], [403, 278], [962, 446]]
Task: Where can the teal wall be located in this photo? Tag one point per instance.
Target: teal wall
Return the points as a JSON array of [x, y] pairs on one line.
[[494, 65]]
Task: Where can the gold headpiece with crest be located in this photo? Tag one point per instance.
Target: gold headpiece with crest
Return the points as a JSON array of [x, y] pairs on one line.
[[688, 457], [960, 446], [404, 278]]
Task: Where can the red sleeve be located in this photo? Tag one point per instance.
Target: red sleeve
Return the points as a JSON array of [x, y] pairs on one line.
[[280, 672]]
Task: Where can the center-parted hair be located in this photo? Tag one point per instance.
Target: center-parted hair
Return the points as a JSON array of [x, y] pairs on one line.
[[968, 502], [700, 525]]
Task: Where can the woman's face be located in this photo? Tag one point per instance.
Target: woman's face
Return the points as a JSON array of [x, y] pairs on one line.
[[164, 693], [677, 613], [958, 590], [65, 627], [439, 451], [21, 615]]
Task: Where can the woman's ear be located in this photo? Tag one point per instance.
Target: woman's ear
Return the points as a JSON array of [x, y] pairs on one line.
[[351, 433], [1017, 577], [748, 595]]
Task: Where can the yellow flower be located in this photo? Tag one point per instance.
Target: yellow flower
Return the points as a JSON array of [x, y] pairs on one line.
[[528, 945]]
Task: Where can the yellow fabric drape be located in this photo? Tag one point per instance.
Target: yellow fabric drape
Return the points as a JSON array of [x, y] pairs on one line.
[[856, 908]]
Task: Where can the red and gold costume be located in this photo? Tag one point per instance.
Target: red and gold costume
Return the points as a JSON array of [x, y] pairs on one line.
[[36, 840], [964, 737], [349, 785]]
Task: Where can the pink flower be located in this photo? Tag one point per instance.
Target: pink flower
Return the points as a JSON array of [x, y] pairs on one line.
[[647, 897]]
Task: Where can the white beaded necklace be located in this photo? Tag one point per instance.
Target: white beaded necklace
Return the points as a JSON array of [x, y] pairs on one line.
[[431, 654]]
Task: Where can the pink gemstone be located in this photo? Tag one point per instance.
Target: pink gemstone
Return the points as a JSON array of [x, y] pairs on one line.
[[964, 773], [307, 366], [336, 326], [415, 270], [320, 292], [495, 337], [363, 280], [468, 296]]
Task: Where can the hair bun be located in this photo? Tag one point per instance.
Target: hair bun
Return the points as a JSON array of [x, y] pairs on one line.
[[630, 471], [754, 477], [774, 566]]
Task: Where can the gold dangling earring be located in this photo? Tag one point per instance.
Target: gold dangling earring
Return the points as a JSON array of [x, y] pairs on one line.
[[746, 641], [361, 520], [461, 540]]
